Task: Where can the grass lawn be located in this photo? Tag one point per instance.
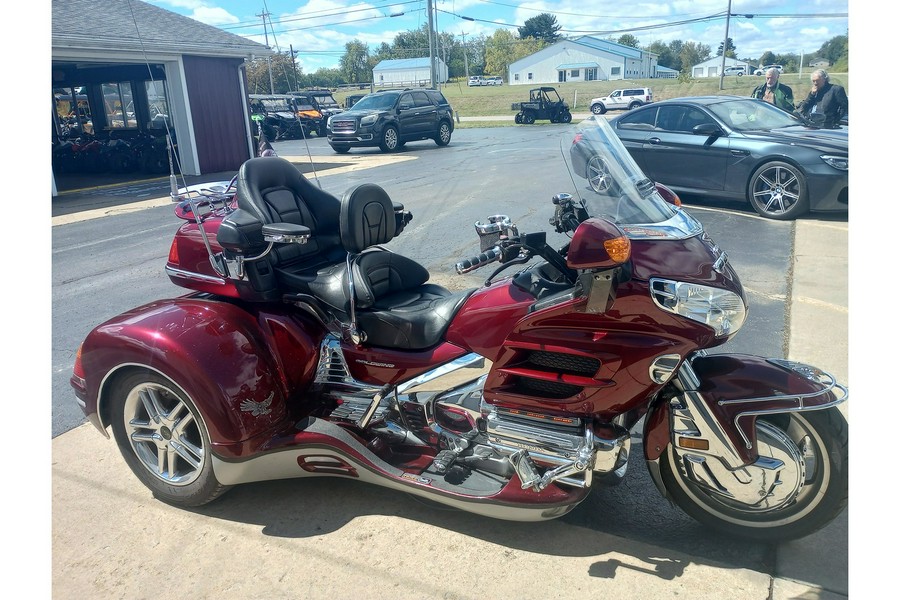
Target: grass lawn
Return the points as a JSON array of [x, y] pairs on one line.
[[498, 100]]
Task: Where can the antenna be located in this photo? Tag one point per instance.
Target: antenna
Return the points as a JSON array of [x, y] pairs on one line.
[[170, 145]]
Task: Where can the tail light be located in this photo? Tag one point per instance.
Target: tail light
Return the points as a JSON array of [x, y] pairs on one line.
[[173, 252], [77, 368]]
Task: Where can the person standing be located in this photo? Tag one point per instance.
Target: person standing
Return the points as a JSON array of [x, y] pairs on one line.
[[827, 102], [775, 93]]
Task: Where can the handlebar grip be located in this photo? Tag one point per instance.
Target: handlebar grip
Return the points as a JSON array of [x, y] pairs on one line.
[[470, 264]]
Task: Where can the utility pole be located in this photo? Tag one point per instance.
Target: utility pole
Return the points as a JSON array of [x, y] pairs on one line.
[[268, 58], [294, 65], [725, 48], [465, 54], [431, 44]]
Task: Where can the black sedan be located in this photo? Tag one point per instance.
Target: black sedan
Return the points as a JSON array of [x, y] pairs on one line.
[[739, 148]]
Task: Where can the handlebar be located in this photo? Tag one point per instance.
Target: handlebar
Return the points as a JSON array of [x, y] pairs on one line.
[[470, 264]]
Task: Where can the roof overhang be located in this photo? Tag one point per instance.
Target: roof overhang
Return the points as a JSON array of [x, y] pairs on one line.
[[584, 65]]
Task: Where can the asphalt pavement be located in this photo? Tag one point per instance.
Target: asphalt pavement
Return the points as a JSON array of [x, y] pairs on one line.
[[330, 538]]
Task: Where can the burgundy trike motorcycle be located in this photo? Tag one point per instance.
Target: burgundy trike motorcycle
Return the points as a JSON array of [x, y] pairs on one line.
[[307, 348]]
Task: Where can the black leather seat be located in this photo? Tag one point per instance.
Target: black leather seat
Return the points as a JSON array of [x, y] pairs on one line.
[[394, 305], [272, 190]]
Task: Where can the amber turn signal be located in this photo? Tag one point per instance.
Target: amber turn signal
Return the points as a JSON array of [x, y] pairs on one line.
[[619, 249], [693, 443]]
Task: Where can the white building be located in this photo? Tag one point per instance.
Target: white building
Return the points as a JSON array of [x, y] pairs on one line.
[[583, 59], [713, 66], [407, 72]]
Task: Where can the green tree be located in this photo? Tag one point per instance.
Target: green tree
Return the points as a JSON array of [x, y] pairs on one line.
[[411, 44], [285, 74], [693, 53], [355, 62], [731, 51], [835, 49], [542, 27], [767, 58], [628, 40], [503, 48], [665, 58]]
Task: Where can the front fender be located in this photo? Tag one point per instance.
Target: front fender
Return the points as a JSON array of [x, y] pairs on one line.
[[717, 398], [239, 368]]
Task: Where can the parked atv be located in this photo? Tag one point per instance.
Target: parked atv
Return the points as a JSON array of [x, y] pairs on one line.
[[544, 103]]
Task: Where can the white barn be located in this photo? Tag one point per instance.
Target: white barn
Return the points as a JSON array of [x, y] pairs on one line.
[[713, 66], [583, 59], [408, 71]]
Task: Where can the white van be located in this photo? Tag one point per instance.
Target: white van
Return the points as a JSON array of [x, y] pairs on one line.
[[475, 80]]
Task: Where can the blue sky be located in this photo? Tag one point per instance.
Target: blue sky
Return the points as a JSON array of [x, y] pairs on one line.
[[319, 29]]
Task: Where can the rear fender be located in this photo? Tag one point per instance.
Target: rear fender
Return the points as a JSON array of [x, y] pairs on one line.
[[238, 368], [716, 400]]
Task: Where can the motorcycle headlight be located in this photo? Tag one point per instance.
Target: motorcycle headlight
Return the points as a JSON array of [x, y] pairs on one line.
[[368, 120], [722, 310]]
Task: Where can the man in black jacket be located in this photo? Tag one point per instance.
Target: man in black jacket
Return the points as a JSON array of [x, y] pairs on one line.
[[826, 103]]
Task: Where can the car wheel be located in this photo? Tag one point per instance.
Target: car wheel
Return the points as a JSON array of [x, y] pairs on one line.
[[634, 105], [443, 135], [565, 117], [390, 139], [163, 439], [518, 118], [597, 109], [599, 177], [528, 118], [340, 148], [777, 190]]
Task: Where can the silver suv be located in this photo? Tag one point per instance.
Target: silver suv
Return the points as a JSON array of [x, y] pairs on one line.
[[624, 99]]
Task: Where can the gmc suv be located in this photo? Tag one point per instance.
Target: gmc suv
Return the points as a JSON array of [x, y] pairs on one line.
[[622, 100], [390, 118]]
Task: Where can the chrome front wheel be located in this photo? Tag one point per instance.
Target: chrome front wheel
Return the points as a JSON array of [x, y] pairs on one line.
[[798, 486], [164, 440]]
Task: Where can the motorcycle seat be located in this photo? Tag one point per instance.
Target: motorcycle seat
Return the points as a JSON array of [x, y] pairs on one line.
[[393, 303]]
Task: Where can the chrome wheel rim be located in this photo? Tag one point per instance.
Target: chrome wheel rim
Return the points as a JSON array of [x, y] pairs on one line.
[[598, 175], [390, 138], [790, 495], [165, 434], [777, 189], [445, 132]]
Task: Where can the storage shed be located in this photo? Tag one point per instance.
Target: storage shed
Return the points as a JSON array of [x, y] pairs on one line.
[[128, 69]]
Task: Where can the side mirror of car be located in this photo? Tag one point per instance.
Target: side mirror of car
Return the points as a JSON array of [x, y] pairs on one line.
[[707, 129]]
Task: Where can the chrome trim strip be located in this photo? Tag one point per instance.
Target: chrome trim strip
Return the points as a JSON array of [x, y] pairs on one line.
[[173, 272], [459, 363]]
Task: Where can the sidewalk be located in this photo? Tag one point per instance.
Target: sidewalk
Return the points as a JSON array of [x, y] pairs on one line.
[[330, 538]]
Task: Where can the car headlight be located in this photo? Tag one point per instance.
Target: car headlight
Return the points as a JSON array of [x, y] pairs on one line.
[[368, 120], [838, 162], [328, 122], [722, 310]]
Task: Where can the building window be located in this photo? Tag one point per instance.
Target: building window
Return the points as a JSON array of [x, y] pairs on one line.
[[575, 73], [517, 77], [530, 76], [118, 105], [615, 70]]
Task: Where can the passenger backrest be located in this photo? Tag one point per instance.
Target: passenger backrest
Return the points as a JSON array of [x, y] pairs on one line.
[[274, 191]]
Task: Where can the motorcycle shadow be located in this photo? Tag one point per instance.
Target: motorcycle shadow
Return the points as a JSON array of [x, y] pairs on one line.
[[631, 518]]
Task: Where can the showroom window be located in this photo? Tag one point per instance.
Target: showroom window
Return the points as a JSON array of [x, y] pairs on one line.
[[118, 105]]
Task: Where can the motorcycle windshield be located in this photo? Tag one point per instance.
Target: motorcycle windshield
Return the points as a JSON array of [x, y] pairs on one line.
[[613, 187]]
